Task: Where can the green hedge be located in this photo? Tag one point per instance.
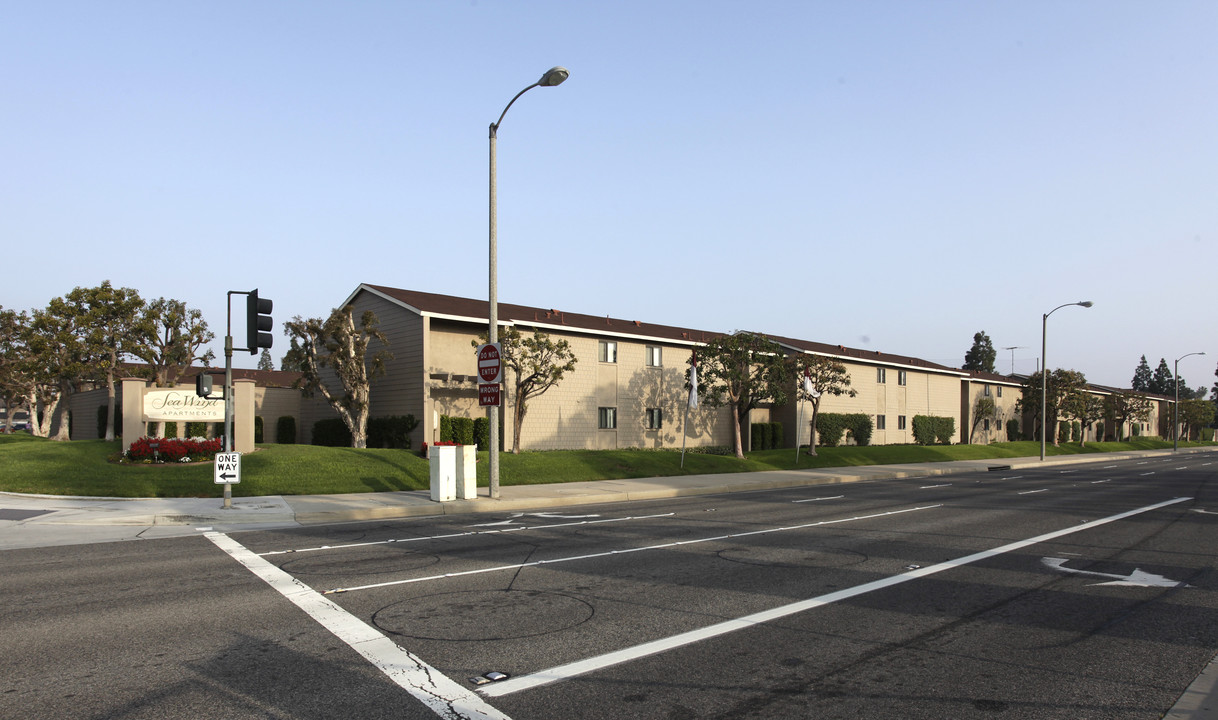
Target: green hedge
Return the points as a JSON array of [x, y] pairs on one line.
[[392, 431], [285, 430], [766, 436], [482, 432], [830, 426], [196, 429], [257, 429], [929, 429], [331, 432], [446, 429]]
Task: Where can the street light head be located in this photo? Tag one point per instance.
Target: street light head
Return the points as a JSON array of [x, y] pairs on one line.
[[554, 76], [1085, 303]]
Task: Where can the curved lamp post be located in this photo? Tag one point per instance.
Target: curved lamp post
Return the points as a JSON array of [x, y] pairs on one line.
[[553, 76], [1044, 371], [1175, 409]]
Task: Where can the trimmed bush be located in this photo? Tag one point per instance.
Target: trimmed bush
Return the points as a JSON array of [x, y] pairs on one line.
[[392, 431], [446, 429], [929, 429], [482, 433], [861, 427], [196, 429], [829, 428], [463, 430], [1012, 430], [257, 428], [285, 430], [171, 429], [331, 432], [777, 440]]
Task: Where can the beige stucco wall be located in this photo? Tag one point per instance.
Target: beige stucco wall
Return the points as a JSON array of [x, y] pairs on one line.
[[1005, 397]]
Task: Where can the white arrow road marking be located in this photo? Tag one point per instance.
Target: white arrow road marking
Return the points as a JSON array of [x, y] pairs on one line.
[[442, 695], [509, 521], [1137, 578], [561, 517], [1204, 512]]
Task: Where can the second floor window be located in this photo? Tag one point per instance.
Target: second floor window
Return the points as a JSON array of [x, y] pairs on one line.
[[607, 351]]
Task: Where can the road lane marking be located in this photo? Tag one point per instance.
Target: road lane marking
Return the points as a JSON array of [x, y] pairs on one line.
[[929, 487], [1033, 492], [581, 667], [1097, 482], [608, 553], [1137, 578], [835, 497], [463, 534], [445, 697], [1152, 472], [1013, 477]]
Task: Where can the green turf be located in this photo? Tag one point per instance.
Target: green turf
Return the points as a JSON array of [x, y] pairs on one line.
[[37, 465]]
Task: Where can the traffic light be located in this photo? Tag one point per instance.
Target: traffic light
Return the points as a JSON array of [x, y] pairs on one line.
[[203, 385], [257, 322]]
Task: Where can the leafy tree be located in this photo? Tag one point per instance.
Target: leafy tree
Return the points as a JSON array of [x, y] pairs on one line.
[[985, 409], [264, 360], [1084, 407], [981, 355], [291, 359], [537, 363], [337, 345], [63, 351], [113, 328], [1059, 384], [169, 336], [1122, 408], [1142, 377], [825, 376], [14, 383], [1162, 382], [1194, 415], [742, 371]]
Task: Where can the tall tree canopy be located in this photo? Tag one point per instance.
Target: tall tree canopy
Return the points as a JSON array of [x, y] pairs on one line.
[[113, 331], [981, 355], [537, 364], [1162, 382], [264, 360], [1125, 407], [1141, 377], [826, 376], [169, 338], [1058, 385], [742, 371], [14, 383], [341, 348]]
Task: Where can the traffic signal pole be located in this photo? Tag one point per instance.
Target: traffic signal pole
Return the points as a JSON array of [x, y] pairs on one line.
[[257, 320]]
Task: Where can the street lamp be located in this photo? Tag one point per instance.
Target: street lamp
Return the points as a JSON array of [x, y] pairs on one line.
[[1175, 410], [1044, 370], [553, 76]]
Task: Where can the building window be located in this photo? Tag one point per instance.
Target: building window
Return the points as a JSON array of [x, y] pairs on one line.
[[999, 391], [901, 377], [607, 418], [987, 390], [881, 421], [881, 375], [655, 418], [900, 422], [607, 352], [652, 356], [987, 424]]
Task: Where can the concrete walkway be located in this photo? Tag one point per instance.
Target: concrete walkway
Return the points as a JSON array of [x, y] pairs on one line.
[[28, 521]]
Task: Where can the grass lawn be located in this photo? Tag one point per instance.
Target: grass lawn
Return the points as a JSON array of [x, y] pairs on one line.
[[40, 466]]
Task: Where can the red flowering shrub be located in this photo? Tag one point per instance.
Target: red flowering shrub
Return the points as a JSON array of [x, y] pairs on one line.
[[173, 449]]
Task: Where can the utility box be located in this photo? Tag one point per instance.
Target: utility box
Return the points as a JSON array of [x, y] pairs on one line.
[[443, 461], [467, 472]]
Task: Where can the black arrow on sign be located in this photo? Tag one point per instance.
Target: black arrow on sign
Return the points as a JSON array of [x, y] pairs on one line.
[[225, 476]]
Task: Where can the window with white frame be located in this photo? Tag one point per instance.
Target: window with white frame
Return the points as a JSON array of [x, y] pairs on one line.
[[606, 418], [607, 351], [901, 377], [652, 356], [655, 418], [999, 391], [881, 375], [987, 390], [881, 422], [900, 422]]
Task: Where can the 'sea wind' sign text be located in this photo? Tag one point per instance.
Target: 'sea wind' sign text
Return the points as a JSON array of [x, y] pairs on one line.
[[181, 404]]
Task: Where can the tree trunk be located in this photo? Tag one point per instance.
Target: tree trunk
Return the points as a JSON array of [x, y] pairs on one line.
[[812, 430], [63, 432], [736, 432], [518, 412], [110, 404]]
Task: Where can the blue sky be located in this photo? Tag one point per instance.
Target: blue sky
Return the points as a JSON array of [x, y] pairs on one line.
[[890, 175]]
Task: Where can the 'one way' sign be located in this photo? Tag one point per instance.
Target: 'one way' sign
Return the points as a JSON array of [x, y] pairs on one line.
[[228, 468]]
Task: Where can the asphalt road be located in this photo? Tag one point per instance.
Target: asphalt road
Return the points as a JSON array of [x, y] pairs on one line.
[[1083, 592]]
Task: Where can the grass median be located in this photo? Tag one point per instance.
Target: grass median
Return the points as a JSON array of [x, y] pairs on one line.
[[39, 466]]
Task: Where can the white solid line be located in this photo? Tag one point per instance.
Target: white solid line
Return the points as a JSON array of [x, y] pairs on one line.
[[835, 497], [536, 563], [461, 534], [564, 672], [1097, 482], [1013, 477], [1152, 472], [1033, 492], [442, 695]]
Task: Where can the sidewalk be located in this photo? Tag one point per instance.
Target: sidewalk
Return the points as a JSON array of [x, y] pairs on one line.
[[28, 521]]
